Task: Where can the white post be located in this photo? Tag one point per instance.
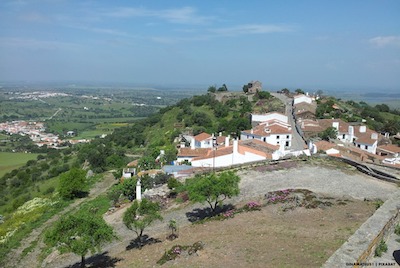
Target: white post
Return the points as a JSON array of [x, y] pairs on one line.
[[138, 190]]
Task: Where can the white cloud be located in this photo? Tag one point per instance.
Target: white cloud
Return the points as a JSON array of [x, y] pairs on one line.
[[252, 29], [184, 15], [384, 41], [101, 30]]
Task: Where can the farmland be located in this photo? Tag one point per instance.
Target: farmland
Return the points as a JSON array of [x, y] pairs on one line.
[[88, 111], [10, 161]]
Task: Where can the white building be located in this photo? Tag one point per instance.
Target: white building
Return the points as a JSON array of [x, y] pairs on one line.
[[227, 154], [274, 132], [301, 98], [360, 136], [258, 118]]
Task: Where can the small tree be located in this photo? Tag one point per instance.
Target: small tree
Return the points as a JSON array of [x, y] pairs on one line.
[[212, 89], [73, 183], [80, 234], [173, 227], [299, 91], [141, 215], [212, 188], [246, 88], [223, 88]]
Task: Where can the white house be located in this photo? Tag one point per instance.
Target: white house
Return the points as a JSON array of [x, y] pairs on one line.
[[301, 98], [239, 152], [258, 118], [360, 136], [274, 132]]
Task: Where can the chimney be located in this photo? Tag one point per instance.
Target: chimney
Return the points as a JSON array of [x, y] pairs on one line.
[[335, 125], [351, 130], [220, 134], [192, 144], [138, 190], [363, 129], [374, 136], [302, 124], [226, 141], [251, 131], [235, 146]]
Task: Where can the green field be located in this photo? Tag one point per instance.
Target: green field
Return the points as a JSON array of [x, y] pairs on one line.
[[10, 161]]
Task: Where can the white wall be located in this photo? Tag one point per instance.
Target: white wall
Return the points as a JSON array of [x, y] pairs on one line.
[[227, 160], [301, 99], [269, 116]]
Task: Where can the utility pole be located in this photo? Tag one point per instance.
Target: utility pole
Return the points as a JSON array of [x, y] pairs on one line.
[[214, 146]]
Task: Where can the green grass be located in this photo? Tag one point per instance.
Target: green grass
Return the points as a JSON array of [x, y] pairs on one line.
[[10, 161]]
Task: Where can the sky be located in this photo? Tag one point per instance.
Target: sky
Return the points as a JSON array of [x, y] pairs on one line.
[[294, 44]]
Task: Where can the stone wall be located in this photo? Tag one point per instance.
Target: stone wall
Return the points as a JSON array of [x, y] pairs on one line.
[[360, 247]]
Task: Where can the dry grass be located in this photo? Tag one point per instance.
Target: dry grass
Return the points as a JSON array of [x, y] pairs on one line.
[[267, 238]]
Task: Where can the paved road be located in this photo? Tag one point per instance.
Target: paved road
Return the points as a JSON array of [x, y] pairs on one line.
[[297, 141]]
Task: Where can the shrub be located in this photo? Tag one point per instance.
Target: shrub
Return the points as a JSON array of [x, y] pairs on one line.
[[252, 206], [397, 229], [382, 247], [178, 250], [378, 203]]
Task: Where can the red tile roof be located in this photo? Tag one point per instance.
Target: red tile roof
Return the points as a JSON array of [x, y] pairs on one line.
[[390, 148], [194, 153], [202, 136]]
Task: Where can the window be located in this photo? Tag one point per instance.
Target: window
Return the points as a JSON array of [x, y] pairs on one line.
[[366, 147], [264, 139], [277, 137], [344, 136], [287, 136], [287, 144], [277, 142]]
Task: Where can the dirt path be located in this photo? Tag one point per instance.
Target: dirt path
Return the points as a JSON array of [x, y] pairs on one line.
[[15, 258], [254, 184]]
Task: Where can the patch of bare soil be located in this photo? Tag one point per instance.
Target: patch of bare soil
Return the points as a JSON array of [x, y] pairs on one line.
[[267, 238]]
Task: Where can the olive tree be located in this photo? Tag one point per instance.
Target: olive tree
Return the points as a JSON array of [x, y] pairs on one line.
[[140, 215], [79, 234], [73, 183], [213, 188]]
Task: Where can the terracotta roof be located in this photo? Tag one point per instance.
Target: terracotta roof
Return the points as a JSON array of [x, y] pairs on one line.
[[364, 139], [221, 139], [309, 125], [304, 106], [215, 153], [390, 148], [324, 145], [194, 153], [202, 136], [259, 145], [270, 127], [343, 126]]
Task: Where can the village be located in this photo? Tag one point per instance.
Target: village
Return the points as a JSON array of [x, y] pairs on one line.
[[276, 136], [36, 131]]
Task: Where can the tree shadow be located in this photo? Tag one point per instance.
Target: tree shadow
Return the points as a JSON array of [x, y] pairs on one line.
[[81, 194], [199, 214], [98, 261], [146, 240]]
